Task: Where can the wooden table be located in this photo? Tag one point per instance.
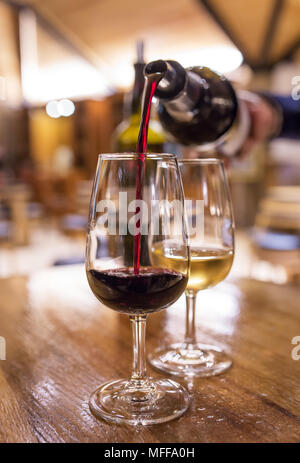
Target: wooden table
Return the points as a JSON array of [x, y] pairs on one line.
[[61, 344]]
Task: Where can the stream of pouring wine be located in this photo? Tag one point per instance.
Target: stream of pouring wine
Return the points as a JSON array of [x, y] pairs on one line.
[[151, 84]]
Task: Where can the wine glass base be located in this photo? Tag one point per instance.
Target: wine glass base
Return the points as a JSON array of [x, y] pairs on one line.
[[193, 359], [153, 401]]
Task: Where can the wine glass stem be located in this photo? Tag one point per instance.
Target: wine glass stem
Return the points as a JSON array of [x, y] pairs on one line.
[[190, 329], [138, 324]]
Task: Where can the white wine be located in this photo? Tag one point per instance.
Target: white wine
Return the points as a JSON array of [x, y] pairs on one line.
[[208, 266], [169, 256]]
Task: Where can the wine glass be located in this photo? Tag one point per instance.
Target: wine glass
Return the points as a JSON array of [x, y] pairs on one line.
[[122, 276], [211, 239]]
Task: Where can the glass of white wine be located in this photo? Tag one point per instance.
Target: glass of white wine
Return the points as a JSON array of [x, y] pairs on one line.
[[211, 236]]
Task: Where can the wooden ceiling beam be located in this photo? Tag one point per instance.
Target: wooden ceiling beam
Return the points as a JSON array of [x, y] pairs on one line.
[[225, 28], [61, 33], [263, 64], [270, 31]]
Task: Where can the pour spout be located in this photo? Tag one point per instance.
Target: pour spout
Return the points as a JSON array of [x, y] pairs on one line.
[[170, 75]]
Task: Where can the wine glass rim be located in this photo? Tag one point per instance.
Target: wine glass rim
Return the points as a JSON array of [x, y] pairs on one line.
[[201, 161], [132, 155]]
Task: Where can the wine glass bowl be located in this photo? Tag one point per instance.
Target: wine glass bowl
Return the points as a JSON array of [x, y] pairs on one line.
[[121, 274], [211, 239]]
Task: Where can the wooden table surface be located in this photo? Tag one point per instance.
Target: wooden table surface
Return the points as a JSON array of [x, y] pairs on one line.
[[61, 343]]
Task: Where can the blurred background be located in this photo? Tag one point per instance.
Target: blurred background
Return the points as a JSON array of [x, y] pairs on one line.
[[67, 94]]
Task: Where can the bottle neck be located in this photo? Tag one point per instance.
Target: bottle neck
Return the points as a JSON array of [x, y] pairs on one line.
[[133, 106], [186, 105], [183, 92]]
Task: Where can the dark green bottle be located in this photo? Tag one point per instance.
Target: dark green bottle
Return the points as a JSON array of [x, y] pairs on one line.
[[127, 132]]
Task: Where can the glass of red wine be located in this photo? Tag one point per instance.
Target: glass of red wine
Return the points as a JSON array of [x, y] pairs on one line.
[[137, 202]]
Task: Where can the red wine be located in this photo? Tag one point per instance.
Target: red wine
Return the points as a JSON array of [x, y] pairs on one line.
[[151, 84], [151, 290]]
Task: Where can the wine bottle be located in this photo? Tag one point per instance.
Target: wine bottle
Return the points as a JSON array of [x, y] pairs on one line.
[[198, 106], [126, 134]]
